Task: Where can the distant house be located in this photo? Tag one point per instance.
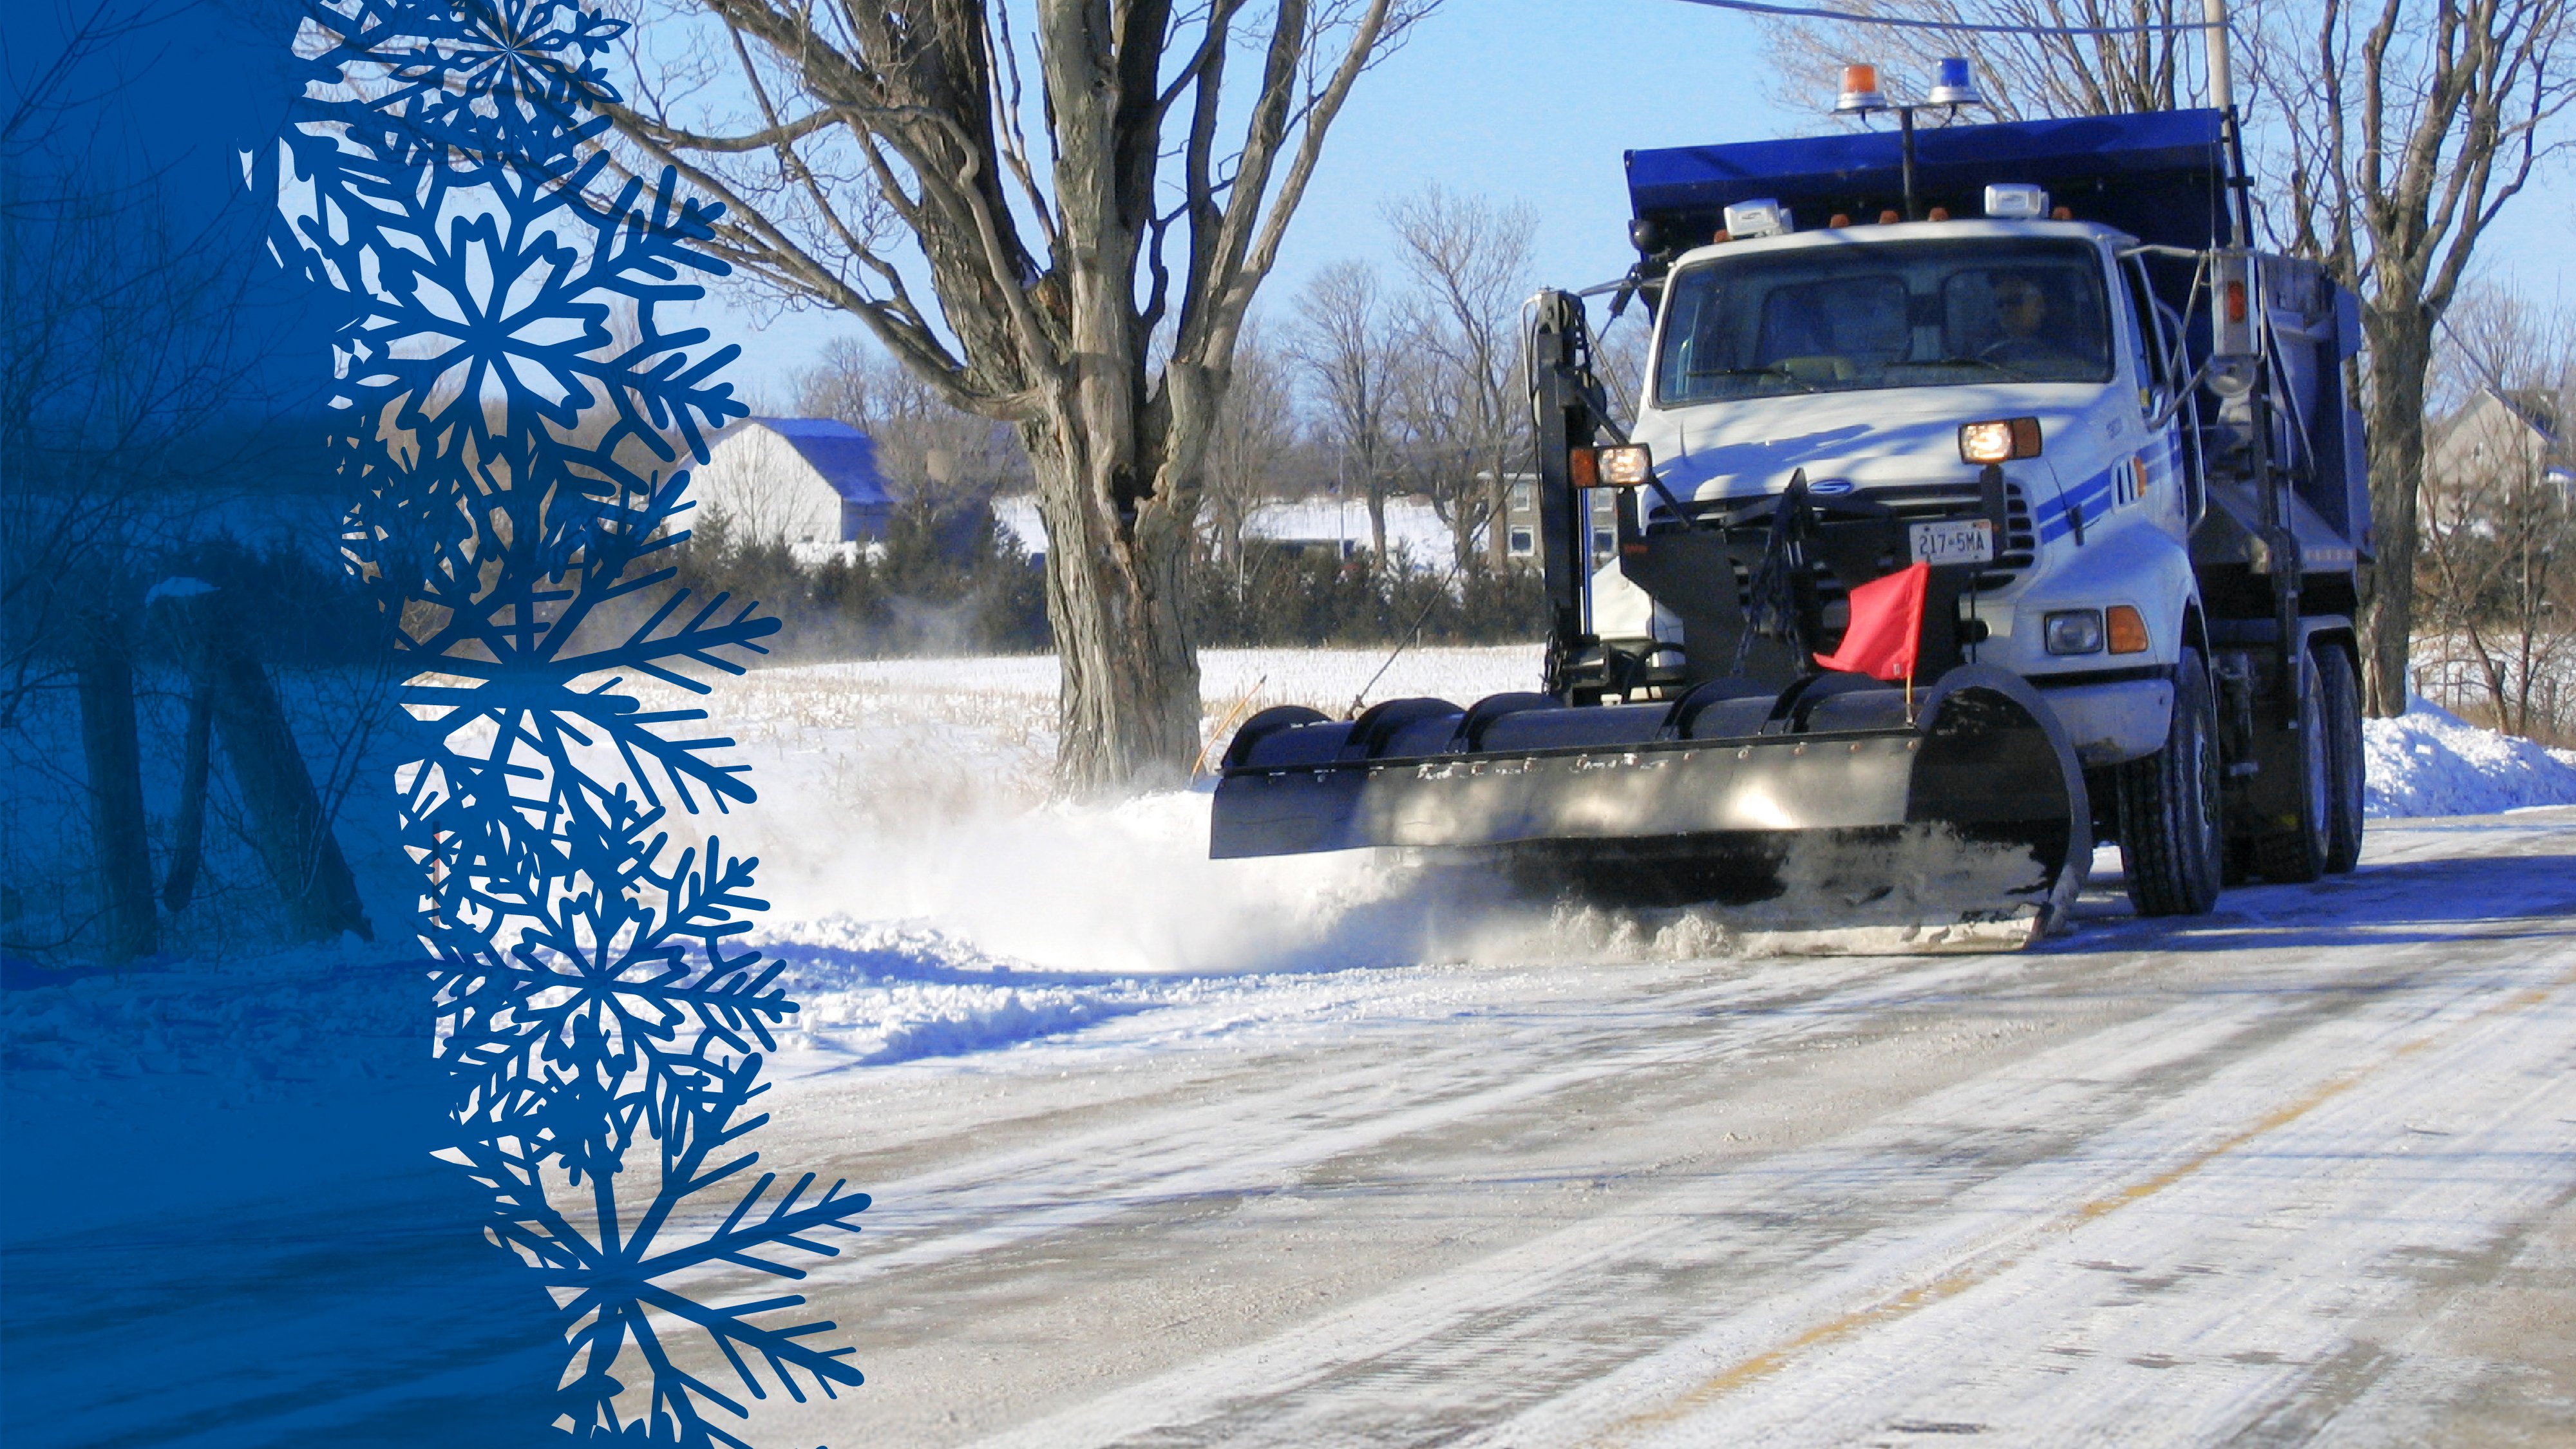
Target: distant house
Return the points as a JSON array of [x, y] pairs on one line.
[[1338, 524], [2514, 429], [1521, 519], [812, 484], [1335, 525]]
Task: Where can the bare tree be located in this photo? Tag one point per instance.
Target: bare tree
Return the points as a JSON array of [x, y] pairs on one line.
[[139, 384], [1620, 351], [2022, 76], [889, 142], [129, 364], [1344, 345], [2406, 131], [2497, 568], [1469, 262], [1247, 459]]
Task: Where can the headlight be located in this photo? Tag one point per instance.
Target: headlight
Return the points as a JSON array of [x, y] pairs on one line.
[[1625, 466], [1999, 442], [2072, 631]]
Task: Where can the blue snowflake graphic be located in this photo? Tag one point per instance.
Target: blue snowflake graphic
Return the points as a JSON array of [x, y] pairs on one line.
[[516, 426]]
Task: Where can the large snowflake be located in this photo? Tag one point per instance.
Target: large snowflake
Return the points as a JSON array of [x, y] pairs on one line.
[[517, 427]]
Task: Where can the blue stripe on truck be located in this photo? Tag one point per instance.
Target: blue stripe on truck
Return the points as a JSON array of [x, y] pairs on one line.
[[2092, 498]]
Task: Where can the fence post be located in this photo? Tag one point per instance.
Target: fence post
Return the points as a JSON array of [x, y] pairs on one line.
[[188, 827], [114, 763], [294, 841]]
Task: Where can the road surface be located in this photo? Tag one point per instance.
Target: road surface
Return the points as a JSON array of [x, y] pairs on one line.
[[2297, 1172]]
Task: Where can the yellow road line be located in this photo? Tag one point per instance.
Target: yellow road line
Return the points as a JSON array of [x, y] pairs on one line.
[[1888, 1310]]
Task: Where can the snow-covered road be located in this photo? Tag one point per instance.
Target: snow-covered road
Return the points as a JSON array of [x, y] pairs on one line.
[[2300, 1171]]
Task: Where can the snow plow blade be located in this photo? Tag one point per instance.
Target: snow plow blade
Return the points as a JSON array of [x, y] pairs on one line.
[[1823, 806]]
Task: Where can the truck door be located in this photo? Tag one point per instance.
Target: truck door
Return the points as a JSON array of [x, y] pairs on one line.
[[2157, 353]]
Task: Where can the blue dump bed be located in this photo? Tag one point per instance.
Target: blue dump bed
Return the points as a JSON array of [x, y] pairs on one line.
[[2161, 177]]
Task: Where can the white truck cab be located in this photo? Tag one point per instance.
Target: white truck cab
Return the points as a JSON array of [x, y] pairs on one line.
[[1857, 356]]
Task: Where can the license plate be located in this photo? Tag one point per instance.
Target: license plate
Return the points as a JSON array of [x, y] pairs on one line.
[[1971, 541]]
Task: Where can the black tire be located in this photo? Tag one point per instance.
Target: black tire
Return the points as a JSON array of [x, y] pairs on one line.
[[2339, 695], [2170, 843], [2298, 855]]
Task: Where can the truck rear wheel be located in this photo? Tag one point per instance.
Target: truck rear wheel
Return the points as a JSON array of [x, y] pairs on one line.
[[2298, 855], [2339, 699], [2170, 846]]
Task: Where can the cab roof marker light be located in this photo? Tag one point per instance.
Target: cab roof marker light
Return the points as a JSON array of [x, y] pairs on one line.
[[1760, 217], [2016, 201]]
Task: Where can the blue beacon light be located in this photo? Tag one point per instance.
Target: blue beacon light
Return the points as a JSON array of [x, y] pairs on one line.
[[1953, 85]]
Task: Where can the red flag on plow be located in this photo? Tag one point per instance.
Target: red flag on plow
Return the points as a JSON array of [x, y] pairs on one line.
[[1886, 627]]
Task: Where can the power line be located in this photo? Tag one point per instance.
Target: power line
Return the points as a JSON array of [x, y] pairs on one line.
[[1802, 12]]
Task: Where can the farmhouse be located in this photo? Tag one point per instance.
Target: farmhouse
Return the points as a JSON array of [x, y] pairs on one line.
[[812, 484], [2507, 433]]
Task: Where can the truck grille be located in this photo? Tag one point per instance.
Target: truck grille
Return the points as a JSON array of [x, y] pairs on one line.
[[2013, 552], [1922, 502]]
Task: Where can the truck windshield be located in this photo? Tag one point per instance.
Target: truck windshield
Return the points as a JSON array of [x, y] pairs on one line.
[[1847, 318]]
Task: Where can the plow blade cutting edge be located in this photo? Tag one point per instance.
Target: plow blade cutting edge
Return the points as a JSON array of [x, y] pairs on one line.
[[1823, 808]]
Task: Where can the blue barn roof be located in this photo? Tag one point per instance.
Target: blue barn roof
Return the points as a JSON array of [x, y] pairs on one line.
[[846, 457]]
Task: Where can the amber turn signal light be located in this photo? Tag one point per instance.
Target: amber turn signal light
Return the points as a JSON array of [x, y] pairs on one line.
[[2126, 628], [1999, 442]]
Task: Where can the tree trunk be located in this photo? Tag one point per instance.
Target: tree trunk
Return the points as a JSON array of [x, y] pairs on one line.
[[115, 767], [1377, 522], [2401, 352], [1127, 704], [294, 839], [188, 827]]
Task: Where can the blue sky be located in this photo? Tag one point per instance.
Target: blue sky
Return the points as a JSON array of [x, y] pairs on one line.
[[1535, 100]]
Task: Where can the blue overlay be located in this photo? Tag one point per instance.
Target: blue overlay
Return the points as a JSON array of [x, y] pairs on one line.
[[516, 426]]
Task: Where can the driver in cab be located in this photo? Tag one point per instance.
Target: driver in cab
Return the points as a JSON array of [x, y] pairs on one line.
[[2024, 317]]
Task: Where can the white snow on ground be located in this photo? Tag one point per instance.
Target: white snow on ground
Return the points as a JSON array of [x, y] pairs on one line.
[[940, 918], [2432, 762], [932, 902]]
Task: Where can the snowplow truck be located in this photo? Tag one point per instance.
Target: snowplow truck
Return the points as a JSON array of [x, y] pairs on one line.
[[2024, 379]]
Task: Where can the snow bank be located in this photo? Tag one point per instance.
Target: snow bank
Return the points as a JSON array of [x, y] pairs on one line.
[[2432, 762], [930, 901], [914, 791]]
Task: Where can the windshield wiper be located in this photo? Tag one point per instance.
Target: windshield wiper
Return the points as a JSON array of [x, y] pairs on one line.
[[1772, 371], [1987, 362]]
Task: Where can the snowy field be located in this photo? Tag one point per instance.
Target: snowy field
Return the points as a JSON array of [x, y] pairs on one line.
[[1318, 1151]]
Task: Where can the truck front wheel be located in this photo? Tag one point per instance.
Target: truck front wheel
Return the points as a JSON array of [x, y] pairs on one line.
[[2170, 843]]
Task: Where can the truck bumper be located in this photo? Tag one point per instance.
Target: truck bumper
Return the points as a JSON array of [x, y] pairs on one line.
[[2111, 721]]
